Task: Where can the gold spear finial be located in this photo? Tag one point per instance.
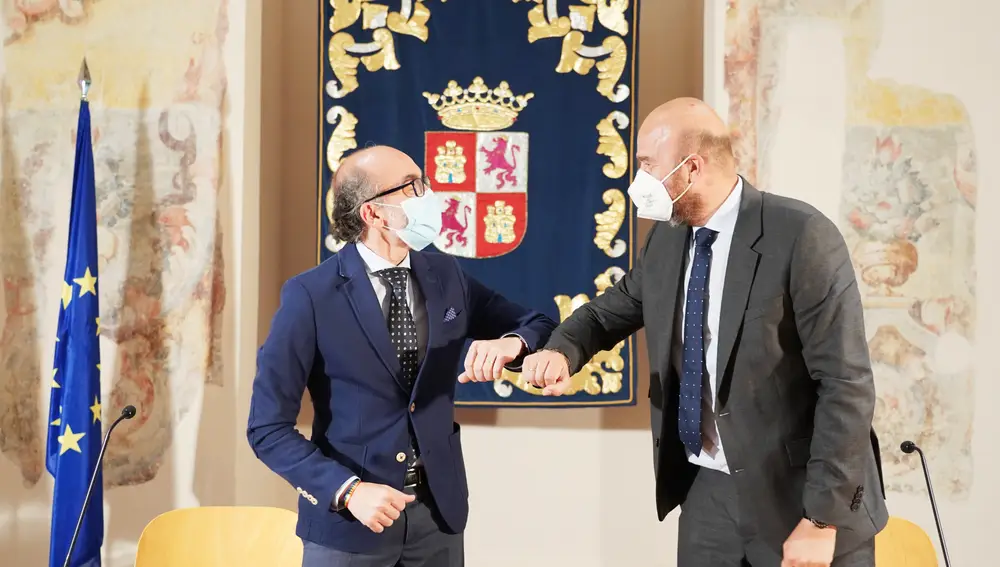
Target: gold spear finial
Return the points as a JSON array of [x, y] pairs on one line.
[[84, 79]]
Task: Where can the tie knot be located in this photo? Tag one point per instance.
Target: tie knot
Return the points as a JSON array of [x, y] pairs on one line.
[[396, 277], [704, 237]]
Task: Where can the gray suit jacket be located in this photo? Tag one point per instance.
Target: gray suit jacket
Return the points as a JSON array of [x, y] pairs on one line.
[[796, 395]]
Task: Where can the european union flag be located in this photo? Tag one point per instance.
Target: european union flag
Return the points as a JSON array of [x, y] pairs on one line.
[[74, 440]]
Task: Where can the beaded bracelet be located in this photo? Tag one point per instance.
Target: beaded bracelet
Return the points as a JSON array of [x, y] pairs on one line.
[[350, 491]]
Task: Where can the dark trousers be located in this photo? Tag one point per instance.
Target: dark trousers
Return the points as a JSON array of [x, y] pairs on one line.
[[712, 535], [414, 540]]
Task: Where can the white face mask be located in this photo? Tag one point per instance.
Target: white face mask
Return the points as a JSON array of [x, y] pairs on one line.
[[651, 197], [423, 220]]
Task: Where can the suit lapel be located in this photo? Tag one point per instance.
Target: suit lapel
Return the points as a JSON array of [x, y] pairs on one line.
[[367, 310], [670, 273], [743, 260], [434, 301]]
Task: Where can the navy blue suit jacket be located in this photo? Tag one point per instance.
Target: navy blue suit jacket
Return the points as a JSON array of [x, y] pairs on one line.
[[330, 335]]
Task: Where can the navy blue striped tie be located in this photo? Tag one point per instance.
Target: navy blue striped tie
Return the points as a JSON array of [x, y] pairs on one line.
[[693, 368]]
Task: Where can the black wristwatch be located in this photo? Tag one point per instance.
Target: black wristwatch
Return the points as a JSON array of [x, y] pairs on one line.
[[819, 524]]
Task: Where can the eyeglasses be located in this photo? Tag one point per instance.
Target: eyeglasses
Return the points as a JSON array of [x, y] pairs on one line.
[[413, 188]]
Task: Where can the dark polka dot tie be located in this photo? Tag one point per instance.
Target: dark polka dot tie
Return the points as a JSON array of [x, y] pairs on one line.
[[693, 367], [403, 332], [402, 329]]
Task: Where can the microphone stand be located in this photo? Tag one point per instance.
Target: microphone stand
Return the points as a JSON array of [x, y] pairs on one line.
[[128, 412], [909, 447]]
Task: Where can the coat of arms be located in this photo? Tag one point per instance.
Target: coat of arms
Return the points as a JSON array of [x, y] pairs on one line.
[[479, 169]]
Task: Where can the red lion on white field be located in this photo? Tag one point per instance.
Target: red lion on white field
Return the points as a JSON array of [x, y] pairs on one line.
[[453, 228], [496, 160]]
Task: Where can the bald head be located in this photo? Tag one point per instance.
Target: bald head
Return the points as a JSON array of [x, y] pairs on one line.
[[685, 126], [360, 177], [382, 164]]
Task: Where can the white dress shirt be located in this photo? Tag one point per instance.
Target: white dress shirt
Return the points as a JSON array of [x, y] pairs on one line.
[[724, 223]]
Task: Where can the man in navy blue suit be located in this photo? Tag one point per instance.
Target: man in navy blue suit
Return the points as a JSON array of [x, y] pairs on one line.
[[376, 334]]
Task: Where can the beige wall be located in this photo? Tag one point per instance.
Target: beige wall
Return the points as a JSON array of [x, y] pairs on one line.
[[567, 487]]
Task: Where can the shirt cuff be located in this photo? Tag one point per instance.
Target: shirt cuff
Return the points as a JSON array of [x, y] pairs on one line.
[[339, 496]]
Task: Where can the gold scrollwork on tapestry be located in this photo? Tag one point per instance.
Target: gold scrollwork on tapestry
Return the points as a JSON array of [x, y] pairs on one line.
[[345, 53], [602, 375], [342, 140], [611, 144], [609, 222], [609, 57]]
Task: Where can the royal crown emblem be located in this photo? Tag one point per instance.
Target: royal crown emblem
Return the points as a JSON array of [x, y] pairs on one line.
[[481, 173], [478, 107]]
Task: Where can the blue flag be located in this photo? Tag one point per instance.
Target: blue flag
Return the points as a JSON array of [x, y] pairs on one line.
[[74, 439]]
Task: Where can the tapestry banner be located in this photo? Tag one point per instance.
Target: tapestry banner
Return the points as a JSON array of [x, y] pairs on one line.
[[515, 109]]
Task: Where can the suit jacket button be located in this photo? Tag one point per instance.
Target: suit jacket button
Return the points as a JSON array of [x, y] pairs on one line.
[[413, 408], [400, 457]]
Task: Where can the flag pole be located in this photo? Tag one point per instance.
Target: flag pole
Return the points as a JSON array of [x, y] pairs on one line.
[[80, 381], [84, 80]]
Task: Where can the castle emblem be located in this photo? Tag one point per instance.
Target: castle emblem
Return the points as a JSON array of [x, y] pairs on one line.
[[499, 222], [450, 162], [480, 168]]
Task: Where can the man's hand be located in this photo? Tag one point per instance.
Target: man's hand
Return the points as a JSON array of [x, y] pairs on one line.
[[377, 506], [486, 359], [809, 546], [549, 370]]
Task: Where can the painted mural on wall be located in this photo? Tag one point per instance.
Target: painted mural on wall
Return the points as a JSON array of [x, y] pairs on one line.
[[907, 211], [157, 101]]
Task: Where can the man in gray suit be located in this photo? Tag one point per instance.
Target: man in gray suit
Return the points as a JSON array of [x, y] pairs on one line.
[[761, 388]]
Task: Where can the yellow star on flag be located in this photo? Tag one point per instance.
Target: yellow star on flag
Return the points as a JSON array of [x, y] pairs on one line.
[[98, 321], [54, 383], [57, 422], [67, 294], [70, 441], [86, 283], [96, 409]]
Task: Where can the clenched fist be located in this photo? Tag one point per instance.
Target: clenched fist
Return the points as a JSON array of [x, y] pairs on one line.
[[809, 546], [377, 506], [549, 370], [486, 359]]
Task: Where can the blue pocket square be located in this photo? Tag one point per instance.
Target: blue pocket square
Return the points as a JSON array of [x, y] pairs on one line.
[[450, 315]]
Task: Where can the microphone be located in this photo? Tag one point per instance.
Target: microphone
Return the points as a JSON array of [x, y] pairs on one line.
[[909, 447], [128, 412]]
